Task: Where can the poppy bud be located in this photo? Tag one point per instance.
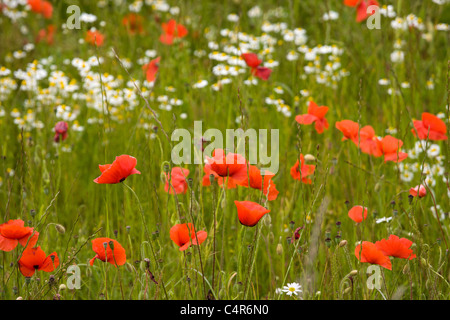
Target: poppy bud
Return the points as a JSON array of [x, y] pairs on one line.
[[32, 213], [353, 272], [377, 187], [147, 263], [347, 203], [211, 178], [271, 237], [424, 262], [129, 267], [166, 168], [279, 249], [337, 238], [267, 221], [111, 245], [190, 182], [60, 228], [343, 243], [405, 269], [224, 202], [173, 219]]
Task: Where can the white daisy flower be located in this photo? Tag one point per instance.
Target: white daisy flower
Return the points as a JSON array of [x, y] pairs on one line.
[[292, 289]]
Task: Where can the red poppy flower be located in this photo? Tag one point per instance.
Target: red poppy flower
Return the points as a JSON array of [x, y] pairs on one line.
[[94, 37], [350, 130], [14, 232], [361, 8], [369, 142], [396, 247], [315, 115], [305, 170], [249, 213], [356, 213], [371, 254], [177, 179], [172, 30], [296, 234], [118, 171], [365, 138], [133, 23], [430, 127], [61, 131], [231, 167], [114, 254], [35, 259], [151, 69], [47, 35], [389, 147], [44, 8], [420, 191], [256, 182], [251, 59], [183, 235]]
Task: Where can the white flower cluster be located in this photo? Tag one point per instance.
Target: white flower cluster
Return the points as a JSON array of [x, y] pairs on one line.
[[432, 169], [15, 9], [324, 64]]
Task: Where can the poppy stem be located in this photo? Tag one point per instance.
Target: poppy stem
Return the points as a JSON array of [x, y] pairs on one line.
[[198, 245], [106, 276], [251, 260], [436, 212], [118, 271], [147, 234], [215, 233], [214, 242]]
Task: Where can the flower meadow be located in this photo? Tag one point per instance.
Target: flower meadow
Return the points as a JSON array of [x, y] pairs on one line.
[[94, 204]]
